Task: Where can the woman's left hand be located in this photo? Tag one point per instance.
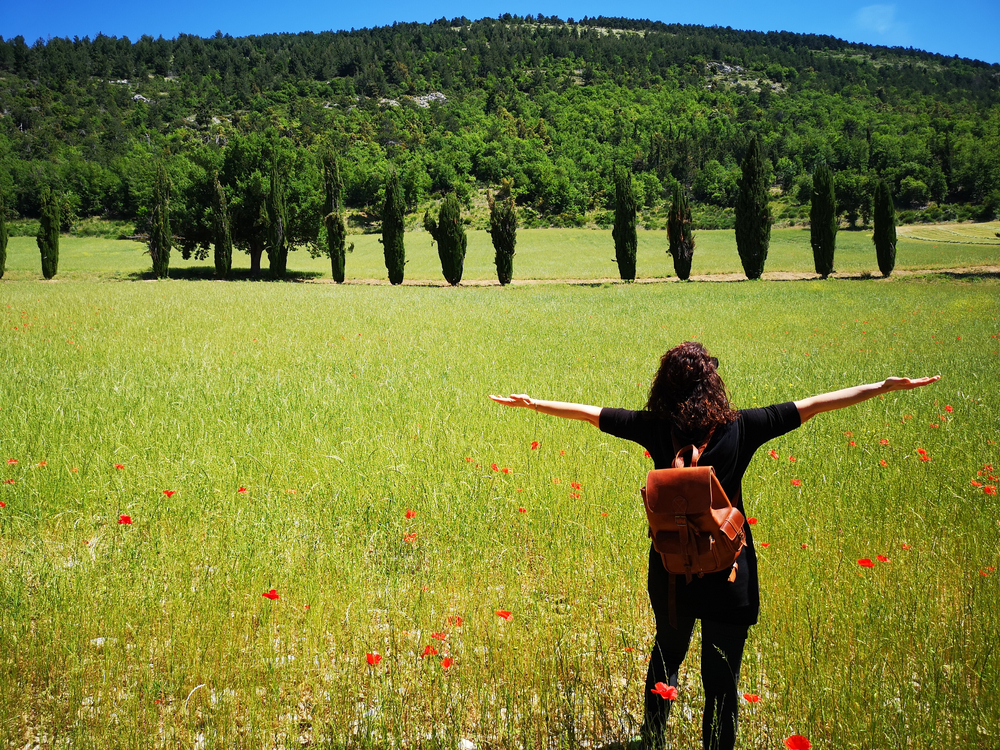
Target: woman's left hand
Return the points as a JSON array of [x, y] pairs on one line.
[[516, 399]]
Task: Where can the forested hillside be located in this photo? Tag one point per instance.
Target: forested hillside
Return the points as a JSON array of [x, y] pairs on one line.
[[458, 105]]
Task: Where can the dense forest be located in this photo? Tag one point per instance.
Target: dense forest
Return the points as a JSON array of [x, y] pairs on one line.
[[456, 106]]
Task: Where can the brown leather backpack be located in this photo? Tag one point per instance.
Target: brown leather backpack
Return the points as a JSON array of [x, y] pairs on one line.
[[693, 525]]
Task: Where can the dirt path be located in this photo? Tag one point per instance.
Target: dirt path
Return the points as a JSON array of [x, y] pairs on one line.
[[958, 273]]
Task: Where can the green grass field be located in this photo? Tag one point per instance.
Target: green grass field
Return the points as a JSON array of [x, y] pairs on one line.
[[339, 409], [541, 254]]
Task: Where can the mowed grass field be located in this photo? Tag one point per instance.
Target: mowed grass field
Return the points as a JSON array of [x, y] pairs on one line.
[[541, 254], [335, 446]]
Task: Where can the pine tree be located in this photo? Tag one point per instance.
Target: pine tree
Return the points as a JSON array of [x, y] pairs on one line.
[[680, 234], [623, 232], [277, 223], [753, 215], [48, 234], [220, 229], [449, 234], [392, 229], [823, 220], [333, 219], [885, 229], [3, 237], [503, 229], [160, 237]]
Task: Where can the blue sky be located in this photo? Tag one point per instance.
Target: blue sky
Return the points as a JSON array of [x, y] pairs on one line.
[[968, 28]]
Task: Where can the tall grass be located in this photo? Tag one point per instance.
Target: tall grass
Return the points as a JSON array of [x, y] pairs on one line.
[[338, 409]]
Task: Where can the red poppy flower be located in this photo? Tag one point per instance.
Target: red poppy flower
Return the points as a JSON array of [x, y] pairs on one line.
[[447, 662], [455, 620], [534, 445], [242, 491], [556, 480], [125, 520], [751, 697], [629, 649], [272, 595], [410, 537], [645, 454], [11, 461], [439, 636], [373, 659], [933, 424], [865, 562], [468, 459], [575, 485], [805, 546], [505, 470], [773, 454], [907, 416], [752, 521], [990, 489], [925, 457], [849, 434], [562, 453], [948, 409], [793, 459], [974, 483], [921, 451], [603, 513], [504, 614], [169, 493], [853, 444], [987, 467], [428, 651], [75, 470], [521, 510], [3, 504], [882, 462], [883, 441], [907, 546], [798, 742], [494, 467], [665, 691], [10, 481], [765, 544], [796, 483], [119, 466], [881, 558], [411, 514], [42, 464]]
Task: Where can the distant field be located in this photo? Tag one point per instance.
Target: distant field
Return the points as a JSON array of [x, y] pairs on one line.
[[543, 254]]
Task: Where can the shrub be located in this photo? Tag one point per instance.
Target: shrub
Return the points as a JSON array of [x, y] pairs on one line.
[[753, 215], [823, 220], [885, 229], [449, 234], [392, 229], [623, 232], [680, 234], [503, 230]]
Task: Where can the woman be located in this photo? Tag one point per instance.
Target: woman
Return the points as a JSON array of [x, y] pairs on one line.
[[688, 405]]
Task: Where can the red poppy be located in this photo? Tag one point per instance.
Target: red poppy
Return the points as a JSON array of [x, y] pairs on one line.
[[11, 461], [242, 490], [439, 636], [504, 614], [41, 464], [468, 459], [291, 492], [75, 470], [603, 513], [534, 445], [752, 521], [447, 662], [773, 454], [765, 544], [645, 454], [428, 651], [521, 510], [3, 504], [411, 514], [751, 697], [921, 451], [505, 470], [925, 457], [974, 483], [494, 467], [882, 462], [665, 691], [272, 595], [556, 480], [849, 434], [948, 409], [575, 485], [119, 466], [793, 459], [934, 424], [373, 659], [853, 444], [796, 483], [455, 620], [805, 546], [10, 481], [907, 416], [125, 520], [410, 537], [798, 742], [562, 453], [990, 489], [169, 493], [883, 441], [629, 649], [881, 558], [907, 546], [865, 562]]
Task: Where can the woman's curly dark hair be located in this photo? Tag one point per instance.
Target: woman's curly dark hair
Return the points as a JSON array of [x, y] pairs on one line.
[[688, 391]]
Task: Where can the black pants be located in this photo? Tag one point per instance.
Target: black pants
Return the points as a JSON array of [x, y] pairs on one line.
[[721, 654]]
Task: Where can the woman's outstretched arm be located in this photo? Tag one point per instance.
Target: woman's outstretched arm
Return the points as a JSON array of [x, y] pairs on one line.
[[810, 407], [562, 409]]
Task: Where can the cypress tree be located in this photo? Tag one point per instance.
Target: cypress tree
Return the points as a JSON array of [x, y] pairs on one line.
[[885, 229], [392, 229], [623, 232], [680, 234], [3, 237], [449, 234], [753, 215], [220, 229], [160, 238], [333, 219], [503, 230], [823, 220], [277, 223], [48, 234]]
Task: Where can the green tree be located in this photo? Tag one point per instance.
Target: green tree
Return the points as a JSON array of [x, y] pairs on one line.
[[503, 229], [449, 234], [392, 229], [679, 233], [220, 223], [623, 232], [753, 215], [48, 234], [160, 239], [3, 236], [333, 219], [823, 220], [885, 229], [277, 223]]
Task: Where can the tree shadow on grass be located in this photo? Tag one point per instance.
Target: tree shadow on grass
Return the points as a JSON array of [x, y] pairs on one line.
[[207, 273]]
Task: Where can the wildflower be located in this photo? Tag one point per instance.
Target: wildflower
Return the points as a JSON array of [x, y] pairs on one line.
[[468, 459], [410, 537], [575, 485], [645, 454], [906, 546], [921, 451], [934, 424], [805, 546], [751, 697], [447, 662], [503, 613], [556, 480], [773, 454], [865, 562], [119, 466], [562, 453], [11, 461], [852, 444], [765, 544], [494, 467], [241, 491], [373, 659], [75, 470], [292, 492], [990, 489], [883, 441], [272, 595], [881, 558], [439, 636], [455, 620], [629, 649], [665, 691], [42, 464], [4, 505], [534, 445], [411, 514], [798, 742], [925, 457], [974, 483], [793, 459], [169, 493], [882, 462], [948, 409], [604, 514], [521, 510], [124, 520], [10, 481], [428, 651], [505, 470], [796, 483], [752, 521], [849, 434]]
